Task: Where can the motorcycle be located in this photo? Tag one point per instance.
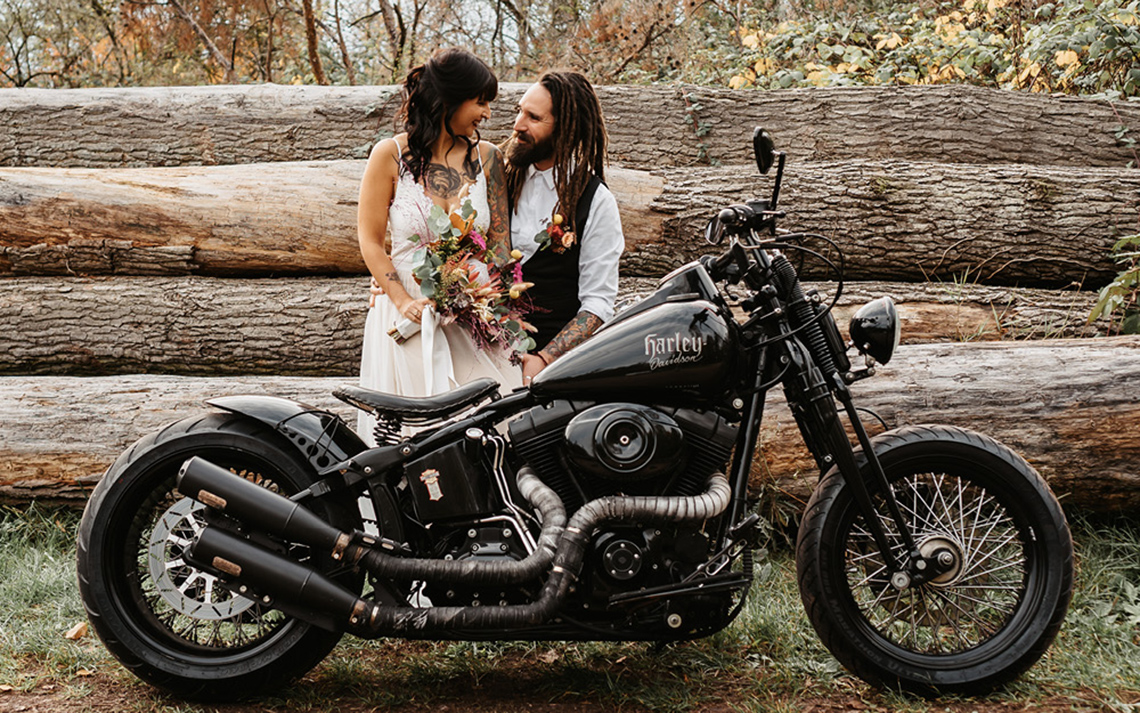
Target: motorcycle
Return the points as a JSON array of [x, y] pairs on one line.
[[229, 552]]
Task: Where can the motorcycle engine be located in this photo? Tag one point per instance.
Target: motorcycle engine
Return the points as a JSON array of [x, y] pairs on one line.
[[587, 451]]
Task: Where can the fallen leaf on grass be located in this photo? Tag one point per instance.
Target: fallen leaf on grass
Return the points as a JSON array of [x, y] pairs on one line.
[[549, 657], [76, 632], [84, 672], [5, 688]]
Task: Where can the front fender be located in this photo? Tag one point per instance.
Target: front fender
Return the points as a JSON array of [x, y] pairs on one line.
[[322, 437]]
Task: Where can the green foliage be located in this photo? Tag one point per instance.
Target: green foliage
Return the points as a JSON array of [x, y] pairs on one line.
[[1071, 46], [1122, 295], [38, 599]]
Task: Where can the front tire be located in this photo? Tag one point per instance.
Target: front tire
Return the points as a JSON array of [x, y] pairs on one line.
[[979, 624], [171, 624]]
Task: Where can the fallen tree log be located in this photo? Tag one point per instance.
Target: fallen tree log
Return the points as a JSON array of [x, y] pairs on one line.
[[1069, 407], [1033, 226], [270, 218], [894, 220], [313, 326], [172, 126], [1064, 405]]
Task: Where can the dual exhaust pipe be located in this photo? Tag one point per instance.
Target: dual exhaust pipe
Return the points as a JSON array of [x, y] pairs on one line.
[[302, 591]]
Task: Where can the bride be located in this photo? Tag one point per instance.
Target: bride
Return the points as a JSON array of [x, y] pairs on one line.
[[438, 160]]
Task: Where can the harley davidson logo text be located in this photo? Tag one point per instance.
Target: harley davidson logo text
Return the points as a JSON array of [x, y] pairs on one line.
[[672, 349]]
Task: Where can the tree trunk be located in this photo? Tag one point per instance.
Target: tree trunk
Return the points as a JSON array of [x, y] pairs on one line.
[[894, 221], [313, 326], [1064, 405], [168, 126]]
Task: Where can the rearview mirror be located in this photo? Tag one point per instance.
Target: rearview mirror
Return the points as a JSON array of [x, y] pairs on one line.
[[714, 232], [763, 147]]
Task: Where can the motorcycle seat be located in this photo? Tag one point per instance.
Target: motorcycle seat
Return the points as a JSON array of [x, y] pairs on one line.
[[418, 408]]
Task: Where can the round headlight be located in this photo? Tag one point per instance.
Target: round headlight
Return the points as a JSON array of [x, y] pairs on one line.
[[875, 329]]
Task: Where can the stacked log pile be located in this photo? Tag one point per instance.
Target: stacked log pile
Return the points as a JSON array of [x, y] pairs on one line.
[[160, 246]]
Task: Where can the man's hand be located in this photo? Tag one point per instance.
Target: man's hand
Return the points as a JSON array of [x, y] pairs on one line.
[[531, 365]]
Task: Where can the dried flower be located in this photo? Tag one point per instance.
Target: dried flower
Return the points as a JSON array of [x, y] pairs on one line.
[[456, 271]]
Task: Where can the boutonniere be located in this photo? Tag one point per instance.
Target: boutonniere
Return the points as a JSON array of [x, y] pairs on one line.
[[554, 237]]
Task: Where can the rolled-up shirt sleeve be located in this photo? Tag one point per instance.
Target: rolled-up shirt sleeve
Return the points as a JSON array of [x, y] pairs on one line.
[[602, 245]]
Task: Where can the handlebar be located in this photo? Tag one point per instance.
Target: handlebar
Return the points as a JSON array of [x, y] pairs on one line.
[[743, 217]]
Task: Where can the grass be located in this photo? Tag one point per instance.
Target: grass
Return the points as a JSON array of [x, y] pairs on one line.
[[768, 660]]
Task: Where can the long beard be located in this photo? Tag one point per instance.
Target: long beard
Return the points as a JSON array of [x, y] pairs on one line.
[[522, 155]]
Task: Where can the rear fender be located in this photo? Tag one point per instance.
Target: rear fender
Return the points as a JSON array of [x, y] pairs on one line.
[[323, 438]]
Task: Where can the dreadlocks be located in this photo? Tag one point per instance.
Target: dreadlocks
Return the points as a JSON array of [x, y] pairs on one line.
[[579, 141]]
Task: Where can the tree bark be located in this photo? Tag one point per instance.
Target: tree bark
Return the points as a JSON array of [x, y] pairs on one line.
[[263, 219], [1069, 407], [166, 126], [895, 220], [1037, 226], [1066, 406], [313, 326]]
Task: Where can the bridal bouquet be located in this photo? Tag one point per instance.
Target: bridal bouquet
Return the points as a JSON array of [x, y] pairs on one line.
[[457, 272]]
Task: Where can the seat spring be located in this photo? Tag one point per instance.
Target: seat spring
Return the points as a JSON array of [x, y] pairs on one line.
[[388, 430]]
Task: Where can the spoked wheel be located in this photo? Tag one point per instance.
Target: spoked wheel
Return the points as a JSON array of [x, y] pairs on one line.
[[170, 623], [1005, 561]]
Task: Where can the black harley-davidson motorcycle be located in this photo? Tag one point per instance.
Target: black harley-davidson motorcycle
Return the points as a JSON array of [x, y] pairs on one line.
[[229, 552]]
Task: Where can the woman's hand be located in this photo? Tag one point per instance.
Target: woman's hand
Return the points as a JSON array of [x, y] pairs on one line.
[[414, 309]]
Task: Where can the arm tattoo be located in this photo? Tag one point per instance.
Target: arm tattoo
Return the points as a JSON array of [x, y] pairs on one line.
[[573, 334], [392, 276], [498, 230]]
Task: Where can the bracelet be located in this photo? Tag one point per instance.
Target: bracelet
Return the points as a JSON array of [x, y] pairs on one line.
[[541, 356]]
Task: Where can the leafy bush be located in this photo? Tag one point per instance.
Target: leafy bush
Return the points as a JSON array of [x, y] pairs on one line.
[[1123, 294], [1071, 46]]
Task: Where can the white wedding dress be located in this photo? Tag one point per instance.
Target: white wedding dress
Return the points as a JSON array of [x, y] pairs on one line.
[[438, 358]]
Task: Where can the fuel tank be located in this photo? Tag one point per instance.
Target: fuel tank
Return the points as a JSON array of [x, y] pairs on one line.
[[671, 352]]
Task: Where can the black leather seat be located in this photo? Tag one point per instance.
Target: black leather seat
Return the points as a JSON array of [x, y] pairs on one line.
[[419, 408]]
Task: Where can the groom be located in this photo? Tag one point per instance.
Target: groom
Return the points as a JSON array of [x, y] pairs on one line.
[[555, 169]]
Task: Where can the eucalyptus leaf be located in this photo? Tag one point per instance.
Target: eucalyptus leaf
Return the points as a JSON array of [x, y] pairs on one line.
[[438, 221]]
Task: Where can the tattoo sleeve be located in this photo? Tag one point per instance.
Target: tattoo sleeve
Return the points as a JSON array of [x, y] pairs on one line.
[[498, 230], [574, 333]]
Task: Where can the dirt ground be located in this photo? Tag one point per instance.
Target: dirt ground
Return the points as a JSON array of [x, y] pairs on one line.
[[505, 694]]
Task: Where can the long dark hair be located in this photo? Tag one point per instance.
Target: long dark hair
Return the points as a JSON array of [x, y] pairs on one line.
[[579, 141], [435, 90]]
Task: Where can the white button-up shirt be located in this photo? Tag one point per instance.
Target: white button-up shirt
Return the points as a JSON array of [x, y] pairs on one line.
[[601, 243]]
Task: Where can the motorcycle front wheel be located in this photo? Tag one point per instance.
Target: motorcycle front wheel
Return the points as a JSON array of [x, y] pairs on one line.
[[981, 622], [171, 624]]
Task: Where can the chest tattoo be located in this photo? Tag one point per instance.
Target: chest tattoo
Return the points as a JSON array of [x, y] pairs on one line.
[[446, 182]]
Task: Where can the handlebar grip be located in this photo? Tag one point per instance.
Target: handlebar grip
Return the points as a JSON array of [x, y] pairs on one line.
[[735, 215], [717, 265]]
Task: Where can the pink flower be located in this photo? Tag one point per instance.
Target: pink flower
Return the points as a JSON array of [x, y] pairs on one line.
[[516, 272], [478, 240]]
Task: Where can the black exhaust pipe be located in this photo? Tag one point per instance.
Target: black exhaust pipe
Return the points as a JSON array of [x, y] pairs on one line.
[[259, 507], [314, 598], [276, 515], [277, 581]]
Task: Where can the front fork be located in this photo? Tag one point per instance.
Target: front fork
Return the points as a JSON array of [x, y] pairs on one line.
[[813, 401]]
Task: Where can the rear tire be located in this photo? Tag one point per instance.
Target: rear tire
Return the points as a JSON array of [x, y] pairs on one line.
[[978, 625], [169, 623]]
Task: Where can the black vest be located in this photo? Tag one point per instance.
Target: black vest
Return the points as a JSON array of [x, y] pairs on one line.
[[555, 278]]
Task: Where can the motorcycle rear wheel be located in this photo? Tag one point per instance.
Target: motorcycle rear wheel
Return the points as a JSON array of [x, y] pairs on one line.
[[171, 624], [979, 624]]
